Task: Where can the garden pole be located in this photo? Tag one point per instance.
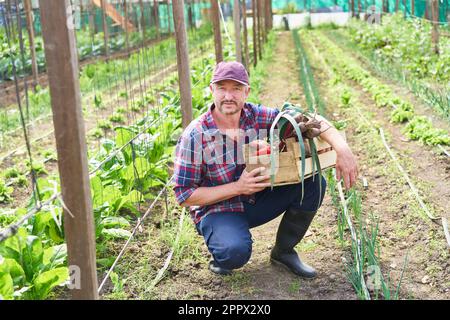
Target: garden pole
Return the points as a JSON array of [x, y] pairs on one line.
[[237, 30], [30, 28], [156, 13], [184, 78], [435, 22], [258, 14], [62, 69], [246, 55], [127, 37], [215, 19], [141, 6], [255, 34], [105, 28]]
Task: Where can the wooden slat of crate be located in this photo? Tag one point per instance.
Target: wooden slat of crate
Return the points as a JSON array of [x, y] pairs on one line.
[[327, 160], [320, 145]]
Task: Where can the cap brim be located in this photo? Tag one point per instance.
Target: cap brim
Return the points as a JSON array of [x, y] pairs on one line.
[[222, 79]]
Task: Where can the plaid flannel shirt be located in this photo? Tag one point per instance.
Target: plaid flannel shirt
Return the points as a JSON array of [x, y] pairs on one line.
[[192, 169]]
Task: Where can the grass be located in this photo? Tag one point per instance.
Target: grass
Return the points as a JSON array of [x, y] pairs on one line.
[[294, 287]]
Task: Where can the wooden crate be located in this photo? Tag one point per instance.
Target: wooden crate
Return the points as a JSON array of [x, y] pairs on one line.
[[289, 164]]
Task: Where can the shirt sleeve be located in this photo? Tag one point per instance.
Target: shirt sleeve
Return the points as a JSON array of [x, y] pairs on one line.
[[188, 165]]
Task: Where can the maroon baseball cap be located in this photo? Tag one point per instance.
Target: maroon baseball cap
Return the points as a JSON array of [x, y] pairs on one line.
[[230, 71]]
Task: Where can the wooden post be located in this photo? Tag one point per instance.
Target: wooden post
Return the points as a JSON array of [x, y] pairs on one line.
[[62, 70], [263, 21], [168, 17], [105, 28], [184, 78], [435, 21], [141, 6], [215, 19], [246, 55], [413, 11], [156, 13], [268, 15], [237, 30], [30, 27], [255, 34], [91, 9], [258, 15], [190, 15], [81, 14], [397, 2], [125, 11]]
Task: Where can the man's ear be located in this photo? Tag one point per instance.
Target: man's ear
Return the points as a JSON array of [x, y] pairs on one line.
[[247, 91], [211, 87]]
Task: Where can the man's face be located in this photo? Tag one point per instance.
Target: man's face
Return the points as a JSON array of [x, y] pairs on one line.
[[229, 96]]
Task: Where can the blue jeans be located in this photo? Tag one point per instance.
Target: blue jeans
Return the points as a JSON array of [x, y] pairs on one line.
[[227, 234]]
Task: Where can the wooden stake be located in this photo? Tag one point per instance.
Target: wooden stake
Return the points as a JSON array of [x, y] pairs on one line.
[[105, 28], [92, 26], [263, 21], [246, 55], [190, 15], [30, 28], [141, 5], [255, 34], [62, 70], [435, 21], [127, 36], [184, 78], [215, 19], [156, 13], [258, 17], [168, 17], [237, 30], [268, 17]]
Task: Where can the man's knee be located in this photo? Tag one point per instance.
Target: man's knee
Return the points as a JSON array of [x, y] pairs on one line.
[[233, 254]]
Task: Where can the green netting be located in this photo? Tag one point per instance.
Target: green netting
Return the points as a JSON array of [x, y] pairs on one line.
[[420, 6], [82, 20]]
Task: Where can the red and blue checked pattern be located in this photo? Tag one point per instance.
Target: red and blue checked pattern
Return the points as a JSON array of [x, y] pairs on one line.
[[193, 169]]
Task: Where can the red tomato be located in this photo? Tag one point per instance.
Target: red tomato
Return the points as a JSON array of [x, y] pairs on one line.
[[263, 151]]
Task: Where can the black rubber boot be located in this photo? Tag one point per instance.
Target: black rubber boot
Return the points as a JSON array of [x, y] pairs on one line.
[[213, 267], [291, 231]]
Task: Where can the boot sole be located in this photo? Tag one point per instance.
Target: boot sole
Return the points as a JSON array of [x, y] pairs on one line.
[[290, 270]]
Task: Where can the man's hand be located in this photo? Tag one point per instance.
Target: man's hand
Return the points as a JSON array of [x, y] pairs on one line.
[[251, 182], [346, 167]]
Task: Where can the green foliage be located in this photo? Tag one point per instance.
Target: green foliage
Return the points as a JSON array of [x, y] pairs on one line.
[[5, 192], [420, 128], [289, 8], [406, 43], [38, 168], [11, 173], [117, 118], [29, 269], [104, 124]]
